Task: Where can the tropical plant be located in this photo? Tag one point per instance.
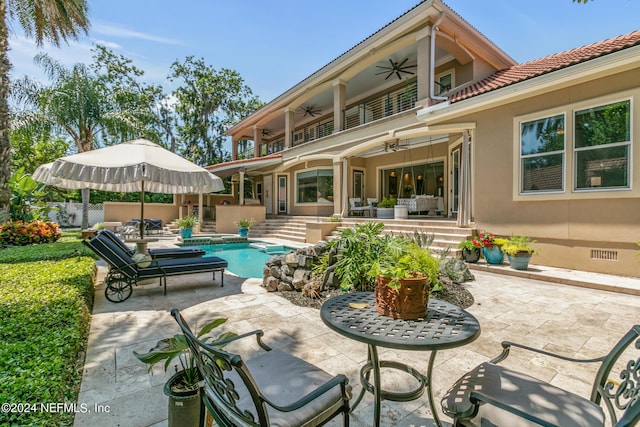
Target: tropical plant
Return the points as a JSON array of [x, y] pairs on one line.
[[356, 249], [52, 20], [518, 245], [245, 223], [26, 198], [403, 259], [187, 222], [76, 104], [176, 348], [387, 202]]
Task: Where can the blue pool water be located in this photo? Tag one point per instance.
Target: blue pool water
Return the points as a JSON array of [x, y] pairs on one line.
[[244, 260]]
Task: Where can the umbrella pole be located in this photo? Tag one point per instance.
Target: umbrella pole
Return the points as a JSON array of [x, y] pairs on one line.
[[142, 210]]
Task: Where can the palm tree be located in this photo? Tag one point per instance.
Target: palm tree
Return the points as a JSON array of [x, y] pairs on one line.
[[52, 20], [76, 104]]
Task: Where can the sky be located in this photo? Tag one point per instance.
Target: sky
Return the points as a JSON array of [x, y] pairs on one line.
[[275, 44]]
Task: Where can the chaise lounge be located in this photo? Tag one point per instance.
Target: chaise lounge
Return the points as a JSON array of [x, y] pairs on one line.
[[124, 271], [161, 253]]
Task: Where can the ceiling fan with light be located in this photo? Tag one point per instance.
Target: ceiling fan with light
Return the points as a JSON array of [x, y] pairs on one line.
[[395, 68]]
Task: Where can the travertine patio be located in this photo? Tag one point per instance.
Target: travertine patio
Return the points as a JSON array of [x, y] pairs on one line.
[[571, 320]]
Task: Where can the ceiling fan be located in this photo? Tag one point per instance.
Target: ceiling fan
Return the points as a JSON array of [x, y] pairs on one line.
[[309, 110], [395, 68]]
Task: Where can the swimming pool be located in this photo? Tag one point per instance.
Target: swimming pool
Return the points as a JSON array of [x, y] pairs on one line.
[[245, 259]]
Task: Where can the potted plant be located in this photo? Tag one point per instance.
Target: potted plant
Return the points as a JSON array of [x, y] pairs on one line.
[[186, 224], [491, 245], [519, 251], [470, 250], [403, 274], [243, 226], [183, 388], [385, 207]]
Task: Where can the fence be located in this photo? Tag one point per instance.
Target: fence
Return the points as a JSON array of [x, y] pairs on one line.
[[70, 214]]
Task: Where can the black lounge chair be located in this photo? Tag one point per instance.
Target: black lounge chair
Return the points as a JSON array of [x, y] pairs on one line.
[[124, 271], [163, 253], [494, 395], [272, 388]]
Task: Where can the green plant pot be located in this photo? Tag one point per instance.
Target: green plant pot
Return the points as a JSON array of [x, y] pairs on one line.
[[185, 407], [243, 232], [186, 233], [519, 262]]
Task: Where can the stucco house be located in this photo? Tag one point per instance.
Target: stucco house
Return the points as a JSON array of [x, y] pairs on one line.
[[428, 109]]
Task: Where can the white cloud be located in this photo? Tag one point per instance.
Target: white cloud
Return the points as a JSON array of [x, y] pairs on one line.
[[108, 44], [116, 31]]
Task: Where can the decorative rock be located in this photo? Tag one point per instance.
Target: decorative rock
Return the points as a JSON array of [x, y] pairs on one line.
[[291, 259], [275, 272], [271, 284], [299, 279], [284, 287]]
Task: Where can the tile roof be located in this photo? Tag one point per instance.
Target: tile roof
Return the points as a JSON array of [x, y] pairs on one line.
[[548, 64]]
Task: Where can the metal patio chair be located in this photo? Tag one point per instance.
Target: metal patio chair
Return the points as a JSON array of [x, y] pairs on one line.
[[272, 388], [492, 395]]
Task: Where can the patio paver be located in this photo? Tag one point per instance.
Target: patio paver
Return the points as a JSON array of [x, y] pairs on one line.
[[567, 319]]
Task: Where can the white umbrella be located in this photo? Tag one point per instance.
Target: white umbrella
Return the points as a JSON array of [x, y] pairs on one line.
[[138, 165]]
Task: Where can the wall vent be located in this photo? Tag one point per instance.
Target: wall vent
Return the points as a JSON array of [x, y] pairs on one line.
[[604, 255]]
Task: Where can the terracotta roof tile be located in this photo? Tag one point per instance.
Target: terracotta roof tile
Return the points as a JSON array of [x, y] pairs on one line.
[[538, 67]]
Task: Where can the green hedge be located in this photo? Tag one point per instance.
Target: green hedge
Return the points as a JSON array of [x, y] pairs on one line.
[[46, 294]]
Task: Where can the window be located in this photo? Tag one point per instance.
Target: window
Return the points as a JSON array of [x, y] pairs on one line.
[[585, 149], [444, 82], [602, 145], [542, 155], [314, 186]]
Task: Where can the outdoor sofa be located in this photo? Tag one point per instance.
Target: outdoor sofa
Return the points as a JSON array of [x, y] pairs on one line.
[[124, 271]]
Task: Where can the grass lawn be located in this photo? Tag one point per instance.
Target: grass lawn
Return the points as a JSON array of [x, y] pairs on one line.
[[46, 295]]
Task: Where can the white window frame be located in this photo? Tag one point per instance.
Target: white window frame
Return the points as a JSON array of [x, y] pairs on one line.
[[570, 192], [628, 143], [438, 76], [521, 157]]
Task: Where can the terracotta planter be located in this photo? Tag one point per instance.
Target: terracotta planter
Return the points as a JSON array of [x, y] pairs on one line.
[[409, 302]]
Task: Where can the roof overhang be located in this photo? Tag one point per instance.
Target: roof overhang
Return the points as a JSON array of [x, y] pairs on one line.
[[226, 169], [603, 66]]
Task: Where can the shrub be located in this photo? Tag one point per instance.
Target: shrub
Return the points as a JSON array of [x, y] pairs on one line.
[[19, 233], [44, 307]]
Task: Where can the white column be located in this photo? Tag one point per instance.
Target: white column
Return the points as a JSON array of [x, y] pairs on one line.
[[288, 127], [464, 191], [241, 189], [339, 102], [257, 140], [200, 210], [337, 189], [423, 70]]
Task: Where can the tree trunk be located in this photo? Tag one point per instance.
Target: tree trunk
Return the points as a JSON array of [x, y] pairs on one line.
[[5, 144], [85, 208]]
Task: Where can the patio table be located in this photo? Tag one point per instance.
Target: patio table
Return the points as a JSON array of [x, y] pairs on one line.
[[446, 326]]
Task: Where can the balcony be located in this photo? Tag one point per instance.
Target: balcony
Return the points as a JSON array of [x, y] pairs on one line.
[[381, 106]]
